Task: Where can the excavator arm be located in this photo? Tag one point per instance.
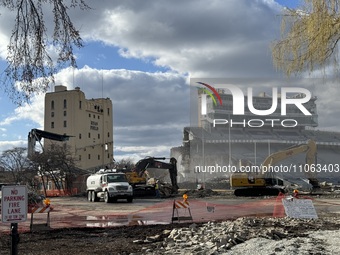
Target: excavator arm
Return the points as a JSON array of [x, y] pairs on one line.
[[309, 148], [311, 152], [153, 162]]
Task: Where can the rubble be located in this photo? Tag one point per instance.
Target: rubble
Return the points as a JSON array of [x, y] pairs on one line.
[[197, 193], [222, 237]]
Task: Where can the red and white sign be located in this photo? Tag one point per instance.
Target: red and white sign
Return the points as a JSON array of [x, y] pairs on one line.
[[14, 204]]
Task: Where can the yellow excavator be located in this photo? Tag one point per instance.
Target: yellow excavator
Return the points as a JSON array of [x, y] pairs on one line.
[[138, 177], [265, 182]]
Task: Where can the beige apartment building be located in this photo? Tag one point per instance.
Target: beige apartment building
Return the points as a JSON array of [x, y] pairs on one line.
[[89, 122]]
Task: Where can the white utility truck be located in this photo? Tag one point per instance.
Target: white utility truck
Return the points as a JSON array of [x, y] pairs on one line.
[[108, 185]]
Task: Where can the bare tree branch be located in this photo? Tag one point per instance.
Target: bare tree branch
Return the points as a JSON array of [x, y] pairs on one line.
[[15, 160], [58, 165], [30, 68], [309, 37]]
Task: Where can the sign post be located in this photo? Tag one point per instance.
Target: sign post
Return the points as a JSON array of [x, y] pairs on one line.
[[14, 210]]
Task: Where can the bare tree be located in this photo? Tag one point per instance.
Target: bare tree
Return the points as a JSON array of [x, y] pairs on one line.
[[30, 67], [58, 165], [15, 161], [127, 163], [309, 37]]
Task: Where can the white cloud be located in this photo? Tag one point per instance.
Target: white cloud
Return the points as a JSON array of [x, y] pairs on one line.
[[33, 112], [216, 38], [7, 145]]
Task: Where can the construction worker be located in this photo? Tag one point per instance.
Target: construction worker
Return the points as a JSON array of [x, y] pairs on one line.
[[158, 195]]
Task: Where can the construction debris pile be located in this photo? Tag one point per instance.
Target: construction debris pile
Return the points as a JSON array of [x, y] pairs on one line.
[[196, 193], [248, 236], [165, 189]]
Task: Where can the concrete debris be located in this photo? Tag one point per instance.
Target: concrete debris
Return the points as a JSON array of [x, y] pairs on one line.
[[221, 237], [165, 190], [200, 193]]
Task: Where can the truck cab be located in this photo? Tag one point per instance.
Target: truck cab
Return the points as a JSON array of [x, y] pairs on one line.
[[108, 185]]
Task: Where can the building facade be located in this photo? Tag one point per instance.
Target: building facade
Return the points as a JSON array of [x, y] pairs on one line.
[[209, 151], [89, 122]]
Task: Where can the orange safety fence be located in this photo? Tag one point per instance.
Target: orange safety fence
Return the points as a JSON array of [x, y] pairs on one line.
[[57, 192], [203, 210], [279, 210]]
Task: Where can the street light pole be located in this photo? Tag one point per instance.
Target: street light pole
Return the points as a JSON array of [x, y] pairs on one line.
[[203, 156], [229, 145], [255, 151]]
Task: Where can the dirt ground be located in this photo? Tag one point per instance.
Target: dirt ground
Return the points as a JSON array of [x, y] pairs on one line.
[[118, 240], [122, 240]]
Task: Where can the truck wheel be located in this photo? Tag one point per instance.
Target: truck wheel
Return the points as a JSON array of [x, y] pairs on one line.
[[130, 199], [107, 198], [94, 196], [89, 196]]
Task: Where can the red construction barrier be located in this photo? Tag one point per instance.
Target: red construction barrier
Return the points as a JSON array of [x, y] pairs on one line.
[[177, 207], [279, 210], [60, 193], [40, 208]]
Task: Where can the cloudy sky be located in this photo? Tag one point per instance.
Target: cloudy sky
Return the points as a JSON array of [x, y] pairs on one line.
[[142, 55]]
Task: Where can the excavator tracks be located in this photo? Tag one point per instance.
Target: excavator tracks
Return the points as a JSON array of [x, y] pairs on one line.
[[258, 192]]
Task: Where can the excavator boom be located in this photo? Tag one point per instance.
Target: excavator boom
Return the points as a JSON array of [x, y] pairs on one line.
[[265, 183], [309, 148]]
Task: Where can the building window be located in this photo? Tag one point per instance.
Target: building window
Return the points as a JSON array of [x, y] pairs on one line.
[[108, 111], [98, 117], [65, 113], [108, 134], [98, 157], [79, 104], [49, 185], [52, 124], [65, 123], [98, 136], [79, 136], [89, 115], [89, 135], [52, 114], [79, 157], [89, 156], [94, 116], [52, 105], [65, 104]]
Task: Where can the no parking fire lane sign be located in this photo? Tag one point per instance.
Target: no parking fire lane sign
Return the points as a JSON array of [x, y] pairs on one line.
[[14, 204]]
